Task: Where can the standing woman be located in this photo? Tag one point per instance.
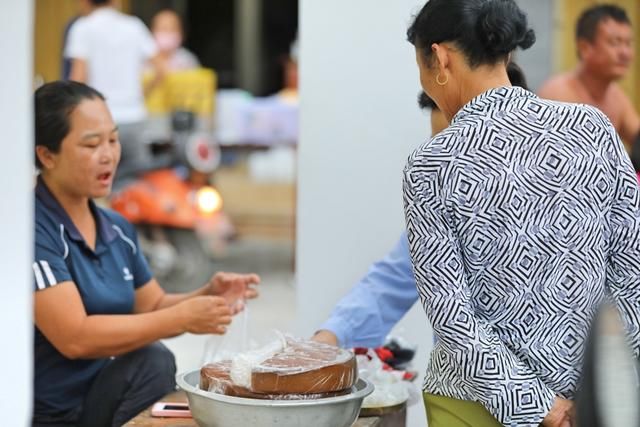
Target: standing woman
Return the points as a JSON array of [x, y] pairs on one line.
[[522, 216], [98, 310]]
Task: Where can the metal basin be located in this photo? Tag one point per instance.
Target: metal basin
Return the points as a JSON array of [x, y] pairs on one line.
[[217, 410]]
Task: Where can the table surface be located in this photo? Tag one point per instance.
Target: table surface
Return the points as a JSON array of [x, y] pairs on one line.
[[144, 419]]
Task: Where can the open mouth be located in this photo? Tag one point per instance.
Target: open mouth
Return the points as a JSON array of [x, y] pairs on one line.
[[105, 176]]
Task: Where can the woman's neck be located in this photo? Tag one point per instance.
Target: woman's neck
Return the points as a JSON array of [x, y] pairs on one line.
[[476, 83], [483, 82], [76, 207]]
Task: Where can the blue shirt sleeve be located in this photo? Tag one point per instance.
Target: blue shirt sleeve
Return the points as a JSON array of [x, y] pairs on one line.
[[364, 316], [49, 267]]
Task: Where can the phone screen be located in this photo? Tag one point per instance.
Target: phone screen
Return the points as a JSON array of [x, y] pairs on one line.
[[176, 407]]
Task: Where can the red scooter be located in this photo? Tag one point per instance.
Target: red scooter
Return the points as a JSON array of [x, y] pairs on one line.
[[177, 211]]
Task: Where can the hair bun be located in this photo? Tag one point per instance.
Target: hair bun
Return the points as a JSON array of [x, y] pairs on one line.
[[502, 27]]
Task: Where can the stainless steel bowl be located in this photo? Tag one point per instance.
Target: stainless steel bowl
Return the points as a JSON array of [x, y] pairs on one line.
[[217, 410]]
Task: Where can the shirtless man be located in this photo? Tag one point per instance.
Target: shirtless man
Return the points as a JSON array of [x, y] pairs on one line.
[[605, 48]]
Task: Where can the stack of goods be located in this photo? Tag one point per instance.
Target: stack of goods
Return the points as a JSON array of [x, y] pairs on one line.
[[286, 369]]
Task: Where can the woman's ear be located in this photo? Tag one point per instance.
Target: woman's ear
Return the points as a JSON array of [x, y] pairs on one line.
[[441, 56], [46, 157]]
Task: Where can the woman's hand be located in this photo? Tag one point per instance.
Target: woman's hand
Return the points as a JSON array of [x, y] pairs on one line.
[[234, 288], [560, 415], [326, 337], [204, 315]]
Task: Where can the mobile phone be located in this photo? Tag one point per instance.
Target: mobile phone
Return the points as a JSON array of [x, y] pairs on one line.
[[171, 409]]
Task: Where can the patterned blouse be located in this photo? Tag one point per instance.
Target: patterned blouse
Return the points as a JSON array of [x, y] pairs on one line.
[[521, 216]]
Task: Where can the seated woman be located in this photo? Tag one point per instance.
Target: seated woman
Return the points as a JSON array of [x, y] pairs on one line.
[[98, 310]]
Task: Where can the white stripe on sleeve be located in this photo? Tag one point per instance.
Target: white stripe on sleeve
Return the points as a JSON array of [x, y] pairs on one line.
[[47, 271], [126, 239], [64, 242], [39, 278]]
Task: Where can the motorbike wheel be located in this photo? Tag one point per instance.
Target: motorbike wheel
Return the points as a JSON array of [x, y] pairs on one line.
[[193, 267]]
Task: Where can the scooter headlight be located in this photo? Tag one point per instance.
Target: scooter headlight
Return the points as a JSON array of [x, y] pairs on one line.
[[208, 200]]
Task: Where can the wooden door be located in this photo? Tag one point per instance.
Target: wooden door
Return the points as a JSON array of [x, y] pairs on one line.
[[51, 18]]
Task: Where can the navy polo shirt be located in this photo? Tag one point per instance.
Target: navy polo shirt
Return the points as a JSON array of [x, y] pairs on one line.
[[106, 279]]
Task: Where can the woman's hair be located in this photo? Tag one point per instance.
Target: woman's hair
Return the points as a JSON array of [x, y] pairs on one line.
[[486, 31], [54, 103], [516, 75]]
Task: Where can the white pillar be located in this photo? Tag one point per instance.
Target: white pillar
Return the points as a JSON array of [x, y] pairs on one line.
[[16, 222], [537, 61], [359, 122], [248, 44]]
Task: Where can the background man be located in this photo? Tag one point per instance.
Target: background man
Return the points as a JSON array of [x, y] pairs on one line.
[[604, 39]]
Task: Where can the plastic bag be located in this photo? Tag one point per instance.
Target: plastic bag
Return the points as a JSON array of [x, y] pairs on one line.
[[234, 341], [390, 389]]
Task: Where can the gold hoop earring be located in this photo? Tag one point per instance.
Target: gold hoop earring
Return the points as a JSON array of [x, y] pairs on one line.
[[442, 83]]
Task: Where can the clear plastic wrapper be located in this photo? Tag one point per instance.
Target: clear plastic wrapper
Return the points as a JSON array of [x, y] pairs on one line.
[[286, 368], [236, 340]]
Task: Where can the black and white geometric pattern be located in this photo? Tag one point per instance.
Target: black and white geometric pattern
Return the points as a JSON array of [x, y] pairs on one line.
[[521, 216]]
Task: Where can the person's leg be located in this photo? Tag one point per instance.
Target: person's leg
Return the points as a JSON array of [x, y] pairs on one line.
[[127, 385], [63, 419], [447, 412]]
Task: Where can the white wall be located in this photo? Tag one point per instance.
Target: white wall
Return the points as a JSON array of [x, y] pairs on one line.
[[359, 122], [16, 222], [537, 61]]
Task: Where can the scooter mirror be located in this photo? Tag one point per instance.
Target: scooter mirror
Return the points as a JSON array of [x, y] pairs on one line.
[[202, 153]]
